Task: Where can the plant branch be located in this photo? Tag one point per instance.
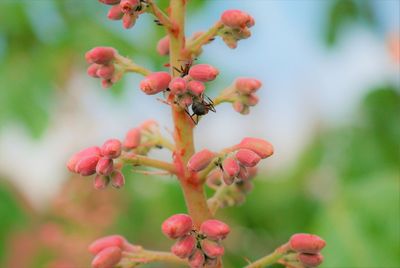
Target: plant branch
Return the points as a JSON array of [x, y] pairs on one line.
[[226, 95], [194, 47], [140, 160], [270, 259], [166, 144], [183, 126], [149, 256], [214, 202], [160, 15], [129, 66]]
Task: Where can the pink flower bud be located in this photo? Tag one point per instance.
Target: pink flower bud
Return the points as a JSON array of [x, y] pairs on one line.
[[252, 100], [115, 13], [100, 55], [155, 83], [100, 182], [252, 171], [109, 2], [128, 20], [211, 262], [230, 170], [243, 173], [230, 166], [73, 161], [106, 242], [247, 85], [117, 179], [310, 260], [105, 166], [196, 87], [239, 107], [212, 248], [86, 166], [132, 138], [237, 19], [245, 186], [228, 179], [200, 160], [177, 226], [186, 101], [261, 147], [111, 148], [163, 46], [203, 72], [197, 259], [129, 6], [178, 85], [247, 157], [184, 247], [106, 83], [229, 40], [106, 71], [92, 70], [149, 125], [214, 178], [306, 243], [214, 229], [107, 258]]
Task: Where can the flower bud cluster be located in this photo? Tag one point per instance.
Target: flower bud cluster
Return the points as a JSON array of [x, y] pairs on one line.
[[236, 26], [244, 94], [108, 250], [307, 247], [99, 161], [190, 85], [199, 247], [237, 165], [127, 10], [155, 82], [163, 46], [143, 138], [103, 66]]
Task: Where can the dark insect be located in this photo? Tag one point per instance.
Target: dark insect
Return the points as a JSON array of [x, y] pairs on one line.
[[140, 6], [158, 22], [201, 107], [184, 70]]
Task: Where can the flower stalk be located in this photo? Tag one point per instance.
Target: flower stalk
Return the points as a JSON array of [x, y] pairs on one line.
[[198, 235]]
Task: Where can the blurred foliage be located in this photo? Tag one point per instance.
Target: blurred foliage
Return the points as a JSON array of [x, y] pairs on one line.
[[344, 12], [42, 43], [12, 215]]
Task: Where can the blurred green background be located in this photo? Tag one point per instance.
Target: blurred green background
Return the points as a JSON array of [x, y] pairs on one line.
[[341, 182]]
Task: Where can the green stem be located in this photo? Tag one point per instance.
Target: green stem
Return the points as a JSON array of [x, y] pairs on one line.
[[183, 127], [140, 160], [195, 46], [214, 203], [148, 256], [226, 95], [270, 259], [166, 144], [129, 66]]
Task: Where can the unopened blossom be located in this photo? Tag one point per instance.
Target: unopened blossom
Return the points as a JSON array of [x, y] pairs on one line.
[[177, 226], [200, 160], [184, 246], [261, 147], [203, 72], [214, 229], [306, 243], [155, 82]]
